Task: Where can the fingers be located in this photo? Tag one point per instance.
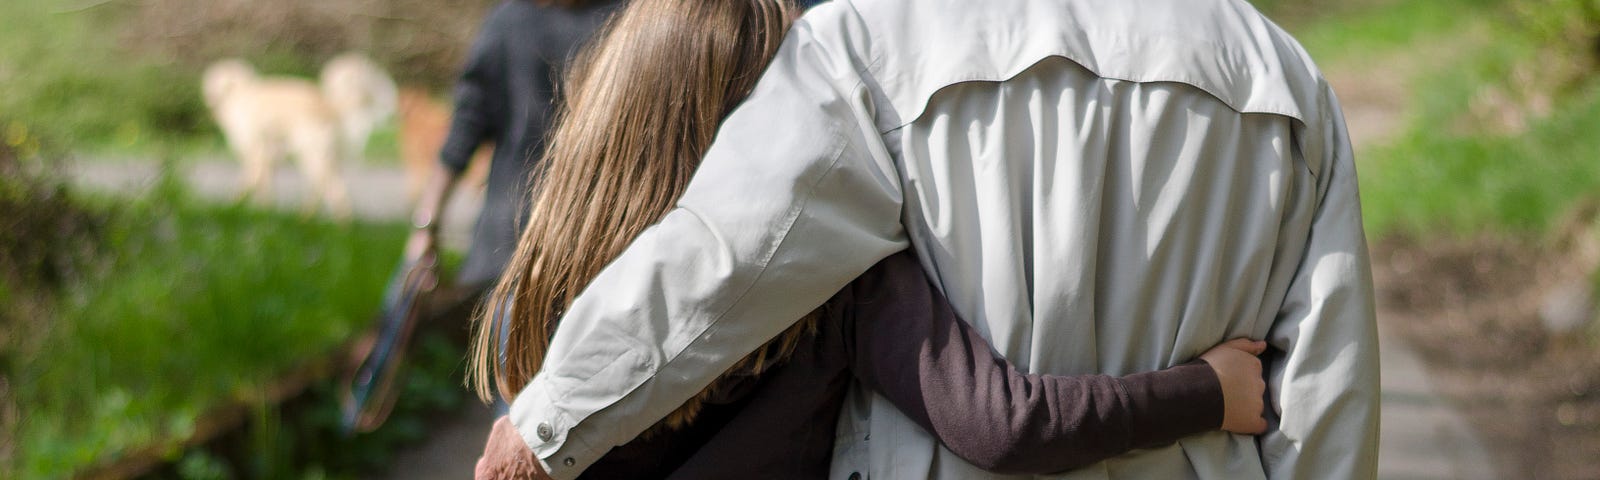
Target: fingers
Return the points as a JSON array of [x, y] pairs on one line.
[[1244, 389], [1250, 419], [1258, 421], [418, 244], [1259, 427], [1253, 347]]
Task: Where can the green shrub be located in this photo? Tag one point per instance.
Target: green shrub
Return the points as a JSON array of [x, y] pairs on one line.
[[47, 241], [46, 236], [305, 438], [1567, 33], [1570, 23]]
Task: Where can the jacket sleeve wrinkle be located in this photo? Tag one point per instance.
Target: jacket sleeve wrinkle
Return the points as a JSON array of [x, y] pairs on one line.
[[1322, 371]]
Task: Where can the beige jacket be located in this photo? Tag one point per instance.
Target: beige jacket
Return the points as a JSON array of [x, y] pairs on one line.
[[1100, 186]]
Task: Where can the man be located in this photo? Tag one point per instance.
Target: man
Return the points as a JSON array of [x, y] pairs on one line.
[[1100, 186]]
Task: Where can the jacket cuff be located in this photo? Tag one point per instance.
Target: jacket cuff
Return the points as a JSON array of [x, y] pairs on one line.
[[548, 431], [1174, 403]]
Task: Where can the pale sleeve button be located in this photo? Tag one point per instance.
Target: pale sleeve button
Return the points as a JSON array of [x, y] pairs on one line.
[[545, 432]]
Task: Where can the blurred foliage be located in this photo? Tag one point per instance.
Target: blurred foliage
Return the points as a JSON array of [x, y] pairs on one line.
[[421, 41], [143, 314], [123, 75], [195, 306], [63, 74], [1434, 181], [1303, 12], [1568, 24], [433, 384], [1361, 31], [1567, 36], [1504, 120], [46, 236], [303, 438], [47, 240]]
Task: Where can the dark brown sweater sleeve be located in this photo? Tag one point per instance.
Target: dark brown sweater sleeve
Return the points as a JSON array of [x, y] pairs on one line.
[[906, 343]]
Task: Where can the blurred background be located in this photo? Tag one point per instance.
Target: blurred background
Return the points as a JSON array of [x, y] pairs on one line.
[[154, 325]]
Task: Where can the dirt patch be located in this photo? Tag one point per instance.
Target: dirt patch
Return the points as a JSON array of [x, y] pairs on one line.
[[1470, 308], [1374, 106]]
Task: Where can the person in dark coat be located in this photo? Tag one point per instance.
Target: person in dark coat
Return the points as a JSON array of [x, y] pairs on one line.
[[504, 98]]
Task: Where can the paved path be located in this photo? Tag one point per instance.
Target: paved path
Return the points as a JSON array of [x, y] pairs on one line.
[[1423, 437], [376, 192], [450, 452]]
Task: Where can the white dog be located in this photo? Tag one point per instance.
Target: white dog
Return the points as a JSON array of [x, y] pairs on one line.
[[264, 118]]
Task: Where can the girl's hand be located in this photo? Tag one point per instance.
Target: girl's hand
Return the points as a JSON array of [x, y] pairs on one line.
[[1243, 388], [506, 457]]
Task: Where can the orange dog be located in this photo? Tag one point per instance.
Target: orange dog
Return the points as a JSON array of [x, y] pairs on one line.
[[424, 123]]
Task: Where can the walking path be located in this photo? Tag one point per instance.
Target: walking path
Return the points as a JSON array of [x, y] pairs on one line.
[[376, 192], [1423, 437]]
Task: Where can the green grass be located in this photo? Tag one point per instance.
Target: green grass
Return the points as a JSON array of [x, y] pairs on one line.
[[200, 305], [304, 439], [1351, 33], [1442, 176], [1437, 182]]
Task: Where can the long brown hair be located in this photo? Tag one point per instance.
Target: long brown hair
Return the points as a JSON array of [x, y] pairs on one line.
[[642, 106], [565, 3]]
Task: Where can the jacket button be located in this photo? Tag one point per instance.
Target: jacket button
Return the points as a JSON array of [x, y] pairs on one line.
[[855, 475], [545, 432], [569, 462]]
